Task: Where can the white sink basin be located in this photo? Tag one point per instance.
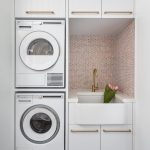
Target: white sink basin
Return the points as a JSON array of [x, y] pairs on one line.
[[100, 113], [91, 110], [90, 97]]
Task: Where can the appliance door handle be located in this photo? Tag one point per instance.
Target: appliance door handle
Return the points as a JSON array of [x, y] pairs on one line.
[[84, 131], [119, 12], [84, 12], [129, 130], [40, 12]]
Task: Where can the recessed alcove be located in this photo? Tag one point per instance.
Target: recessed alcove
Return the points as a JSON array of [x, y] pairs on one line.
[[104, 44]]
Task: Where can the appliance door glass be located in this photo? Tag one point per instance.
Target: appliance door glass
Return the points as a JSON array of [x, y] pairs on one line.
[[40, 124], [39, 50]]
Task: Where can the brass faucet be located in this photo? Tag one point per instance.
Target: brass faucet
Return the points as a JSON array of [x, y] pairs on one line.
[[94, 86]]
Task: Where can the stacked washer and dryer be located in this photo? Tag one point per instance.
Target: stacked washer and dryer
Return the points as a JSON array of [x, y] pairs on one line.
[[40, 64]]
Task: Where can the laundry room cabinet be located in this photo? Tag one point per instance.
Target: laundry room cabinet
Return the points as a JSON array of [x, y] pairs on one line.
[[101, 9], [105, 137], [84, 137], [91, 135], [116, 137], [84, 9], [117, 8], [40, 8]]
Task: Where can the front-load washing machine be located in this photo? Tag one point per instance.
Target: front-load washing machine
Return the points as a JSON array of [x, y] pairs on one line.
[[39, 121], [40, 53]]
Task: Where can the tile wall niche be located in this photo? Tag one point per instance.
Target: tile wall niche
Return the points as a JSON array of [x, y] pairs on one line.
[[112, 56], [124, 61]]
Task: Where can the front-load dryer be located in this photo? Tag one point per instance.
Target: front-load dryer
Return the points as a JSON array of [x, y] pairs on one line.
[[40, 53], [39, 121]]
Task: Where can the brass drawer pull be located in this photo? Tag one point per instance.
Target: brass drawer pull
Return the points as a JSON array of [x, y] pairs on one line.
[[118, 12], [84, 12], [40, 12], [84, 131], [117, 130]]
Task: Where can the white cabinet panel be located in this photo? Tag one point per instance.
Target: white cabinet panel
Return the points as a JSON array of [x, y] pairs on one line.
[[84, 137], [84, 8], [116, 137], [117, 8], [40, 8]]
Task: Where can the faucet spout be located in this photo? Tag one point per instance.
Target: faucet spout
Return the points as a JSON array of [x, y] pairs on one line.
[[94, 86]]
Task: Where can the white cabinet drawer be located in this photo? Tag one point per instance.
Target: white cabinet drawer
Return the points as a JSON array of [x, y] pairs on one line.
[[116, 137], [117, 8], [93, 114], [84, 137], [40, 8], [84, 8]]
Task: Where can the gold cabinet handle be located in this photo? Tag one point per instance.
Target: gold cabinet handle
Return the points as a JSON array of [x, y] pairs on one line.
[[118, 12], [75, 131], [84, 12], [40, 12], [117, 130]]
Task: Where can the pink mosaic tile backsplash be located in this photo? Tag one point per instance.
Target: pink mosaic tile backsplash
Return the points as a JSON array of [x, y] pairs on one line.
[[124, 61], [113, 57]]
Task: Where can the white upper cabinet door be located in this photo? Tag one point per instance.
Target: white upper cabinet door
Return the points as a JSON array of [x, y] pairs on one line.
[[117, 8], [84, 137], [116, 137], [40, 8], [85, 8]]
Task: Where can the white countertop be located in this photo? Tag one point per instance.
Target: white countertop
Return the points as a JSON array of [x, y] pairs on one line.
[[74, 99]]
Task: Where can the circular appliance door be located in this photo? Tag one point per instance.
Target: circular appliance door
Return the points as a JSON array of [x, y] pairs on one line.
[[39, 50], [39, 124]]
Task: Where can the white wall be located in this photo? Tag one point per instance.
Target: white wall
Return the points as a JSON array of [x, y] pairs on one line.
[[6, 101], [143, 75]]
